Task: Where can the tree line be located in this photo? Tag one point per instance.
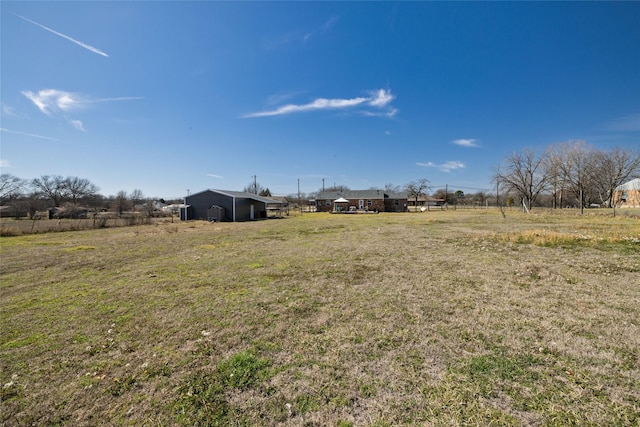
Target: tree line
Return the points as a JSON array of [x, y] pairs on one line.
[[570, 171], [561, 175], [68, 194]]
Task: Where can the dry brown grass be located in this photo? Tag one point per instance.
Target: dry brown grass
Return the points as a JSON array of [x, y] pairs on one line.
[[438, 318], [23, 226]]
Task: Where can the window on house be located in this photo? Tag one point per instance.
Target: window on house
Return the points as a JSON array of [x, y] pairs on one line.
[[328, 202], [369, 202]]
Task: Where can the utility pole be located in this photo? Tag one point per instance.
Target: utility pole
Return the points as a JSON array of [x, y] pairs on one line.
[[299, 201], [255, 185], [446, 195], [323, 184]]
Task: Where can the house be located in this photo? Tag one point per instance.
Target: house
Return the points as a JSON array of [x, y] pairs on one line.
[[223, 205], [360, 200], [627, 195]]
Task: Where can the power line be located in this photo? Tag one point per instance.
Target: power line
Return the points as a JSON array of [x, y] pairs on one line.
[[460, 187]]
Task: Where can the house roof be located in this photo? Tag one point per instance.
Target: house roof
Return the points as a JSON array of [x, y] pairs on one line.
[[281, 199], [397, 195], [634, 184], [352, 194]]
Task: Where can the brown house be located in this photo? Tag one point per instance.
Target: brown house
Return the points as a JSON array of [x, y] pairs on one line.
[[360, 200], [627, 195]]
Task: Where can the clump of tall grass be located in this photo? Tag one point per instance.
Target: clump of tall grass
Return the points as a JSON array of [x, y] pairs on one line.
[[553, 238]]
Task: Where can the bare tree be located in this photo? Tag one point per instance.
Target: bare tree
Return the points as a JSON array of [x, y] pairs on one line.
[[79, 188], [120, 202], [254, 187], [553, 159], [417, 189], [149, 207], [59, 189], [392, 189], [52, 187], [10, 187], [479, 198], [612, 169], [136, 196], [577, 164], [459, 197], [523, 173]]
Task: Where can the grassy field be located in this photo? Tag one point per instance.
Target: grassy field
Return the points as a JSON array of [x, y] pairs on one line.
[[439, 318]]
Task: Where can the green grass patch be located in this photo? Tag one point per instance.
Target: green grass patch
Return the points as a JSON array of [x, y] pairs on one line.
[[37, 338], [204, 396], [80, 248]]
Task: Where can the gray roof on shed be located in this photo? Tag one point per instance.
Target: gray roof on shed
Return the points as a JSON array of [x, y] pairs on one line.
[[244, 195]]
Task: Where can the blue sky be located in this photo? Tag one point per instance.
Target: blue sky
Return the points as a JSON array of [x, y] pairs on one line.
[[169, 96]]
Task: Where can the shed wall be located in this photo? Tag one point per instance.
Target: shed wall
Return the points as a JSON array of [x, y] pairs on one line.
[[243, 209], [201, 202]]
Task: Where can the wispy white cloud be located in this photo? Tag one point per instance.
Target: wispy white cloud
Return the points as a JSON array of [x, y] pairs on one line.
[[4, 163], [444, 167], [213, 175], [32, 135], [64, 36], [465, 142], [53, 101], [77, 124], [379, 100]]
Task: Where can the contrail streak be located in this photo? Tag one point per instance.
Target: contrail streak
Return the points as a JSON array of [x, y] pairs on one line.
[[27, 134], [79, 43], [121, 98]]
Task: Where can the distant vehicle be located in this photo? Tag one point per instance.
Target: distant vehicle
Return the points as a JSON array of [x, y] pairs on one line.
[[594, 205]]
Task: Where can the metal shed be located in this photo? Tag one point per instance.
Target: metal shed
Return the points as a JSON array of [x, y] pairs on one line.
[[237, 206]]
